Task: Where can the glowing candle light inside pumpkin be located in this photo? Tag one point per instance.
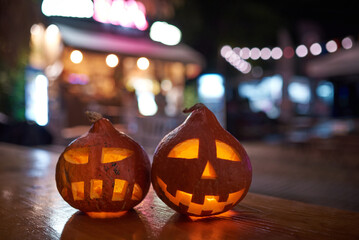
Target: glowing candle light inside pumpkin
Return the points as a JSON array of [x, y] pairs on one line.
[[103, 173], [199, 169]]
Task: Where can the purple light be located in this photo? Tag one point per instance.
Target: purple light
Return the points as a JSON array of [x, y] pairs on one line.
[[315, 49], [277, 53], [301, 51], [265, 53], [255, 53], [331, 46], [131, 14], [347, 43]]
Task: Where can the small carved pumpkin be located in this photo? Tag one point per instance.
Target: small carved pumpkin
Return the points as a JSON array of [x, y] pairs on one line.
[[199, 168], [104, 172]]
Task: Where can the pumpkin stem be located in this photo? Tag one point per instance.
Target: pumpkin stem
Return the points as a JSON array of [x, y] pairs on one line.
[[194, 107], [93, 116]]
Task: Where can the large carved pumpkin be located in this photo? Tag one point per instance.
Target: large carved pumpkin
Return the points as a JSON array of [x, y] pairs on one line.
[[104, 172], [199, 168]]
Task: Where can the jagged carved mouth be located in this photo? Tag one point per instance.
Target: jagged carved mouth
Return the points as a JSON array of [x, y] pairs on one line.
[[210, 206], [119, 190]]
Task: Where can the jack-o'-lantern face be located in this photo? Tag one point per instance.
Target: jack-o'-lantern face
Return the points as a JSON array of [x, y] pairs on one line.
[[199, 168], [111, 161], [99, 173]]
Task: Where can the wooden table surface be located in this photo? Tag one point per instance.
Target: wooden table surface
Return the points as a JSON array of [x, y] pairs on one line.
[[31, 208]]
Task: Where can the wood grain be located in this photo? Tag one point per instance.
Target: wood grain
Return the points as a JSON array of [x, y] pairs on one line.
[[31, 208]]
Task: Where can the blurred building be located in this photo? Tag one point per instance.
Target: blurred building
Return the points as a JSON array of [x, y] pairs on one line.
[[306, 91], [109, 57]]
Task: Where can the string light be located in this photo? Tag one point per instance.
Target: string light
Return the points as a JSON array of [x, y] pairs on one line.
[[301, 51], [277, 53], [255, 53], [265, 53], [331, 46], [315, 49], [237, 56], [288, 52], [347, 43]]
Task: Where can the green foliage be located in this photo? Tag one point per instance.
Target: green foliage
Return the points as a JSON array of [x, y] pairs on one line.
[[16, 19], [190, 94]]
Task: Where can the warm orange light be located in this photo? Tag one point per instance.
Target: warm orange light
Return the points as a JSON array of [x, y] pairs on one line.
[[78, 190], [137, 192], [112, 60], [96, 188], [115, 154], [96, 185], [76, 56], [106, 214], [77, 156], [187, 149], [227, 214], [209, 172], [119, 190], [211, 202], [226, 152], [143, 63]]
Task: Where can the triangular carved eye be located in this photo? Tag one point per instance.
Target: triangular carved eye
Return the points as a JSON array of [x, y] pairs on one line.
[[226, 152], [187, 149]]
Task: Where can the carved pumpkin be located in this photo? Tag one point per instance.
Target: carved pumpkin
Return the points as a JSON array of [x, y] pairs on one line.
[[104, 172], [199, 168]]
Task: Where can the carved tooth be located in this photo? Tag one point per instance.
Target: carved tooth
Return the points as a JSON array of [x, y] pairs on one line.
[[183, 197], [211, 202], [136, 193], [78, 190], [119, 190], [96, 188]]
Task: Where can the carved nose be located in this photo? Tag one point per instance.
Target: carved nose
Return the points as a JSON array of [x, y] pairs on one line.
[[208, 172]]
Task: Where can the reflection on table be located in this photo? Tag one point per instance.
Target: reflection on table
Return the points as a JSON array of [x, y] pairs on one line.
[[32, 208]]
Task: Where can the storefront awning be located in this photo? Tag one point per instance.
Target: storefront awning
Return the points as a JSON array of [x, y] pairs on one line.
[[341, 63], [142, 47]]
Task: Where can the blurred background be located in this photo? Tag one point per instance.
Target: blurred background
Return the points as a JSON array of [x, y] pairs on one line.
[[281, 76]]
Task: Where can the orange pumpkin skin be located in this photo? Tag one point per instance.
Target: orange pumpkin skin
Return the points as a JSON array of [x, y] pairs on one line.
[[103, 171], [199, 168]]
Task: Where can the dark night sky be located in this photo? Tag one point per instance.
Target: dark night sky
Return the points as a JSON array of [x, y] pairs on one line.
[[208, 25], [338, 18]]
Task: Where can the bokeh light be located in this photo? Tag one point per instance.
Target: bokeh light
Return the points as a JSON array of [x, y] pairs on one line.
[[143, 63], [37, 100], [68, 8], [277, 53], [315, 49], [76, 56], [165, 33], [265, 53], [166, 85], [299, 92], [301, 51], [331, 46], [245, 53], [211, 86], [112, 60], [288, 52], [255, 53], [347, 43], [225, 50]]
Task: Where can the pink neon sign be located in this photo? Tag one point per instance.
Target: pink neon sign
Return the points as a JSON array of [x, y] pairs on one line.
[[128, 13]]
